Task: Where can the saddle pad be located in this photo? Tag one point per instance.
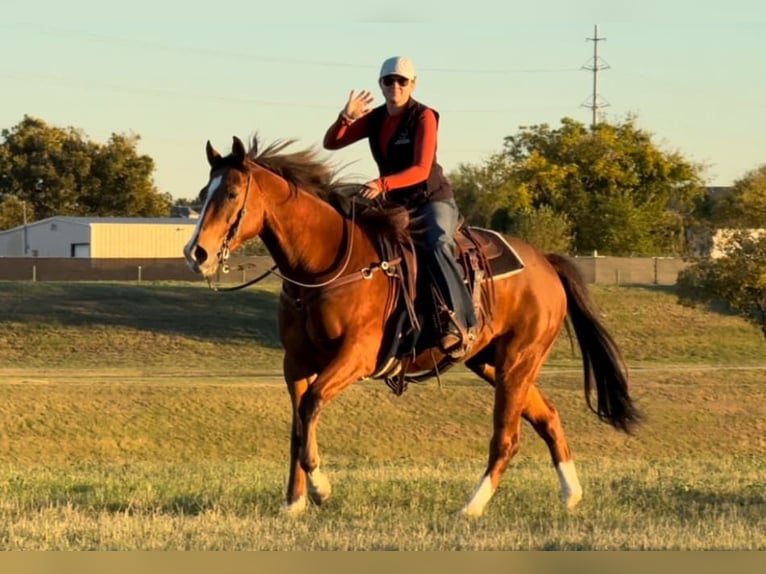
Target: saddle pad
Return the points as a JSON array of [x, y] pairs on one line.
[[503, 259]]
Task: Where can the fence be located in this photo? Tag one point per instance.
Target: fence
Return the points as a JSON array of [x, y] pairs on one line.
[[635, 270], [614, 270], [82, 269]]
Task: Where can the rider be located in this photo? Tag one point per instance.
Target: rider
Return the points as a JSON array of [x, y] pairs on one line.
[[402, 134]]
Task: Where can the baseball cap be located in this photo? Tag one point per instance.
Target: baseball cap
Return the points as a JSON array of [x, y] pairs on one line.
[[398, 66]]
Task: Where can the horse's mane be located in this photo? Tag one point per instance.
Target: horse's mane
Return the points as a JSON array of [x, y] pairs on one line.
[[302, 168], [306, 170]]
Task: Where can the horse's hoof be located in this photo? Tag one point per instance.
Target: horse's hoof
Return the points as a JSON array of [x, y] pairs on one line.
[[320, 497], [319, 500], [319, 487], [571, 491], [294, 508], [471, 511], [571, 499]]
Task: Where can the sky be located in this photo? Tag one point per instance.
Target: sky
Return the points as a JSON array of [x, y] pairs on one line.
[[179, 74]]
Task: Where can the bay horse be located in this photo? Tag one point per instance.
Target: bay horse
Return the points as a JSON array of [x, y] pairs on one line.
[[336, 304]]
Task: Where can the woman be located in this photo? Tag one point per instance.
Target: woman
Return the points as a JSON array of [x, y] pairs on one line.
[[402, 134]]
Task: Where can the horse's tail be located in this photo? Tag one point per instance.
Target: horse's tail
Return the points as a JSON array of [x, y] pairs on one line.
[[601, 357]]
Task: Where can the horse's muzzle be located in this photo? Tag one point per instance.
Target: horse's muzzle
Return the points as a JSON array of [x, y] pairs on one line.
[[198, 260]]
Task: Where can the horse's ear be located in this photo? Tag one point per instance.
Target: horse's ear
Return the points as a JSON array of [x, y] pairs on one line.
[[212, 153], [238, 149]]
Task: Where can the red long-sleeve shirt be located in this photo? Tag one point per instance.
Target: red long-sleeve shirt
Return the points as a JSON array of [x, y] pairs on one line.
[[342, 133]]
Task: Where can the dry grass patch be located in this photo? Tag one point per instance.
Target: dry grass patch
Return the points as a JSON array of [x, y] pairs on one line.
[[152, 417]]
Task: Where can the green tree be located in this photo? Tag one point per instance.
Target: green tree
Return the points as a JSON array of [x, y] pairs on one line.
[[14, 212], [120, 181], [745, 206], [737, 279], [43, 166], [186, 202], [58, 171], [542, 227], [622, 195], [481, 191]]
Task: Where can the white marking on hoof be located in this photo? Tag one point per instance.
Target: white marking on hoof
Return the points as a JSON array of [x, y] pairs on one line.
[[318, 485], [294, 508], [479, 498], [571, 491]]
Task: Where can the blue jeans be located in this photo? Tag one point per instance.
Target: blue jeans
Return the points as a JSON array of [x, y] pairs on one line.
[[433, 228]]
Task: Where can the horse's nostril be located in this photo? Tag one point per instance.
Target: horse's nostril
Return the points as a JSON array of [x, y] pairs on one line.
[[200, 255]]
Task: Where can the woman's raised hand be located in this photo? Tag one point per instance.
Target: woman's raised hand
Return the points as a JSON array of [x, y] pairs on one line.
[[358, 104]]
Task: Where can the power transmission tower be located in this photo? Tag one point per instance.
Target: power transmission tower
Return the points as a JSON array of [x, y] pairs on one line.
[[595, 102]]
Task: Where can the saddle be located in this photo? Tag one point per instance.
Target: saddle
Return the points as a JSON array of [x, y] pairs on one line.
[[485, 253], [484, 256]]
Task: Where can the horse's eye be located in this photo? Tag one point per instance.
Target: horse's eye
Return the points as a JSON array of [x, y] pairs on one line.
[[232, 194], [202, 195]]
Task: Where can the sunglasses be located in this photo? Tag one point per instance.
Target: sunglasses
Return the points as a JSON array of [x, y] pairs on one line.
[[388, 81]]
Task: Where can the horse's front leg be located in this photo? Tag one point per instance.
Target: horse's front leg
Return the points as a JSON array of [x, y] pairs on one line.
[[347, 366], [295, 501]]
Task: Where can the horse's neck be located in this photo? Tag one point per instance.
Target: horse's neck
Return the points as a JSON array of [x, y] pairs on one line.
[[304, 234]]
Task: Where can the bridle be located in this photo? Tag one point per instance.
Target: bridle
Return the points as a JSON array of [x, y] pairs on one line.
[[225, 252]]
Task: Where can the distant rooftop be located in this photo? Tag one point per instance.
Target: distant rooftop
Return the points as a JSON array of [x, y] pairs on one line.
[[84, 220], [77, 220]]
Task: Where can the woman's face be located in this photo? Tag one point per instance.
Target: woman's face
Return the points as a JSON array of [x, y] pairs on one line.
[[397, 89]]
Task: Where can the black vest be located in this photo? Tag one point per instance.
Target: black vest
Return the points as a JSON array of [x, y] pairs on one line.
[[400, 155]]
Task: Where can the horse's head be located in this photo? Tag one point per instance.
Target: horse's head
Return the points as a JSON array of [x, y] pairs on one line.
[[229, 215]]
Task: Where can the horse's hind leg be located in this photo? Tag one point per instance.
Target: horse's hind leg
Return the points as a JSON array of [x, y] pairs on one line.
[[544, 418], [483, 364], [512, 381]]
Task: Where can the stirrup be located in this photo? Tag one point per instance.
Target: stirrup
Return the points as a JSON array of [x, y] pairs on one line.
[[455, 341], [451, 343]]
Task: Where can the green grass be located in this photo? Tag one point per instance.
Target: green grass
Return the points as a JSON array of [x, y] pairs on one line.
[[229, 506], [152, 416], [156, 328], [651, 327], [137, 326]]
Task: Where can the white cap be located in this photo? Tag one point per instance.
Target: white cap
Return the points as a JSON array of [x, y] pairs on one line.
[[398, 66]]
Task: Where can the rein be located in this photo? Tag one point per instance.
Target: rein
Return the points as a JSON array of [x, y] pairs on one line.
[[350, 229], [336, 281], [261, 277]]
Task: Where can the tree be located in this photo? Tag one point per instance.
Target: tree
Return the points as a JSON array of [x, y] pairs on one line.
[[14, 212], [489, 196], [186, 202], [738, 279], [480, 191], [43, 166], [622, 195], [120, 181], [745, 206], [543, 228], [57, 171]]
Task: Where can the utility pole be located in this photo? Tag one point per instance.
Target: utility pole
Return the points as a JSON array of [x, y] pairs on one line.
[[24, 216], [595, 102]]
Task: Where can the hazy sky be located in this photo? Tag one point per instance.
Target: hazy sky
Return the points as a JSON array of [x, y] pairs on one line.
[[180, 73]]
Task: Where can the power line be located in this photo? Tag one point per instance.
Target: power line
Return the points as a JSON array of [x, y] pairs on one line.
[[113, 39], [595, 64]]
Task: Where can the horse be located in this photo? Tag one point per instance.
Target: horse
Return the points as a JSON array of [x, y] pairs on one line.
[[336, 306]]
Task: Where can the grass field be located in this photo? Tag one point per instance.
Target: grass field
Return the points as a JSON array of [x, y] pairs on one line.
[[152, 416]]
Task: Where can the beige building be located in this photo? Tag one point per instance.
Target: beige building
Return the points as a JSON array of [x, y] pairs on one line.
[[705, 242], [99, 237]]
